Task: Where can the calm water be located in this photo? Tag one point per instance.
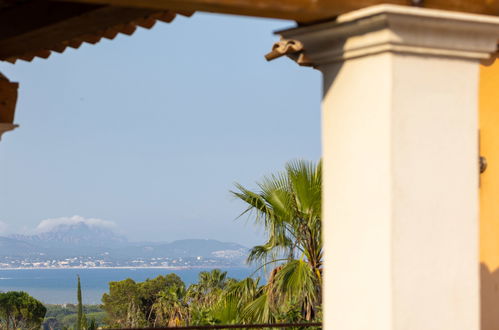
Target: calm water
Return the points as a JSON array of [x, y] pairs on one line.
[[58, 286]]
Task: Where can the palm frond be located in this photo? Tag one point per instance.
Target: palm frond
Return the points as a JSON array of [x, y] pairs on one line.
[[296, 278], [259, 310]]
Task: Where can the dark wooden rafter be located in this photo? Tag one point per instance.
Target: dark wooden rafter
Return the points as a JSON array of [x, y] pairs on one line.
[[298, 10], [304, 11], [8, 100], [35, 28]]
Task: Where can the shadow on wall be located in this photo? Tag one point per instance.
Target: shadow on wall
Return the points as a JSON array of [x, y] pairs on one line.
[[489, 298]]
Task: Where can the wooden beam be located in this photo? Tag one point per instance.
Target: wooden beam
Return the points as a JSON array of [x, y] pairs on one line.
[[297, 10], [44, 25], [8, 100], [33, 15]]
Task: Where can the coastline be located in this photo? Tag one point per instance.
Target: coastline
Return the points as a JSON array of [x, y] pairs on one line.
[[58, 285], [129, 267]]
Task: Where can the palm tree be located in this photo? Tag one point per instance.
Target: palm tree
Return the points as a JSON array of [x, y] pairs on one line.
[[208, 289], [234, 300], [288, 205], [204, 297], [169, 307]]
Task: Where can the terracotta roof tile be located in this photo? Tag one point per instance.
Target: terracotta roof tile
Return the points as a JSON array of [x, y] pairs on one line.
[[90, 27]]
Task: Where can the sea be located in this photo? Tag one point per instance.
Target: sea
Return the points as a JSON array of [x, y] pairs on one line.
[[58, 286]]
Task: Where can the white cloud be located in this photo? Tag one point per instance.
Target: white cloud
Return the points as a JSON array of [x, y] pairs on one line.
[[3, 227], [49, 224]]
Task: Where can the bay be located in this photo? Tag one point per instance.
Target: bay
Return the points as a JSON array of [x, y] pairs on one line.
[[58, 286]]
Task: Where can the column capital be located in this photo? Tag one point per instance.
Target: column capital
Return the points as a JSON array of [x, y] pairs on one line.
[[396, 29]]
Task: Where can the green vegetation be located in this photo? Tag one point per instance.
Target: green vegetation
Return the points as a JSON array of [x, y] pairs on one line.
[[18, 310], [129, 304], [80, 316], [288, 206], [60, 317]]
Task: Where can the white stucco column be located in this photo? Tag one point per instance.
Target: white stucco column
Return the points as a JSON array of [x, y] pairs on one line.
[[400, 153]]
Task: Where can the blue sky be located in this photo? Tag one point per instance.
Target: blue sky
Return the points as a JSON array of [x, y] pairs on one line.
[[150, 132]]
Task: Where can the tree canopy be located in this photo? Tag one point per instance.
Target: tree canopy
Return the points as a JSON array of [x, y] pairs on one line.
[[130, 305], [18, 310]]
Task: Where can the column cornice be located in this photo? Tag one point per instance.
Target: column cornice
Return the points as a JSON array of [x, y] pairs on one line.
[[398, 29]]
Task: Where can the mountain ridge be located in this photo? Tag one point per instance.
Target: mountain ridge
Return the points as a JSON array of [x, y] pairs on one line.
[[84, 241]]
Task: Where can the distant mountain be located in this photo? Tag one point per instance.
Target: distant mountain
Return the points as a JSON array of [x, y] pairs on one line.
[[78, 234], [81, 239], [17, 248], [186, 248]]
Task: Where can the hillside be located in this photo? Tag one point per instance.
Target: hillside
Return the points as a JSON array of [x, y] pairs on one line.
[[83, 245]]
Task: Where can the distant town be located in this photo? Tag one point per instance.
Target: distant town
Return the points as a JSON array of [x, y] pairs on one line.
[[7, 262], [80, 245]]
